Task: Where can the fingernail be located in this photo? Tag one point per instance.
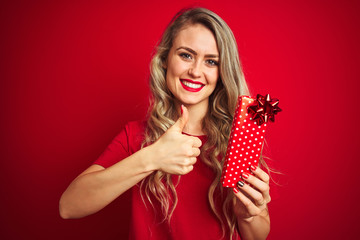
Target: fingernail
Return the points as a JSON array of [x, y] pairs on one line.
[[240, 183], [245, 175], [235, 190], [181, 108], [253, 168]]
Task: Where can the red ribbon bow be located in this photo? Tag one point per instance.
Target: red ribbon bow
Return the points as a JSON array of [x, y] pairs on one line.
[[264, 109]]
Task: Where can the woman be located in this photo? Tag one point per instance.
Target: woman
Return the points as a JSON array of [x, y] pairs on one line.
[[195, 81]]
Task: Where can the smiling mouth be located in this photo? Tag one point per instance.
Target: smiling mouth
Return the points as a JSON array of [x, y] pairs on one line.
[[191, 85]]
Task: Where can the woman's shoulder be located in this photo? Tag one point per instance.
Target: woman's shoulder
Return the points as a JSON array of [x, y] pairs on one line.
[[136, 126], [127, 142], [135, 133]]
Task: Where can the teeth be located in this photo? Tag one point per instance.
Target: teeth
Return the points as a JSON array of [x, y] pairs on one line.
[[191, 85]]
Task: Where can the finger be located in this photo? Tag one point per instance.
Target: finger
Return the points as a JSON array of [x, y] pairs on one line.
[[190, 168], [259, 185], [196, 152], [248, 204], [193, 141], [261, 174], [255, 182], [196, 142], [254, 195], [182, 121], [185, 170], [186, 162], [192, 160]]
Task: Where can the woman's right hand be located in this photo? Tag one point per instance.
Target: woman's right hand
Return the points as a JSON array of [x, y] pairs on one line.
[[176, 152]]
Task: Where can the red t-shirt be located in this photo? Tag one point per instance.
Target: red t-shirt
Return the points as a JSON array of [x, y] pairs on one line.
[[192, 218]]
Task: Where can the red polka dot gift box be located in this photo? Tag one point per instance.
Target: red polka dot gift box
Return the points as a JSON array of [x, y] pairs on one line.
[[247, 136]]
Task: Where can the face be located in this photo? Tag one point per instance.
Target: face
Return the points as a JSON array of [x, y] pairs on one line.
[[192, 65]]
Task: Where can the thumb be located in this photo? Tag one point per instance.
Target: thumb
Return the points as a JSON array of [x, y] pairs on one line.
[[182, 121]]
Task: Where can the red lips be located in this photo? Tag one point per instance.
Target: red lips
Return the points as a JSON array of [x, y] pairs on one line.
[[191, 86]]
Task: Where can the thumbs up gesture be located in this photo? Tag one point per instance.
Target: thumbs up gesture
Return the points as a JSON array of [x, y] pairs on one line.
[[176, 152]]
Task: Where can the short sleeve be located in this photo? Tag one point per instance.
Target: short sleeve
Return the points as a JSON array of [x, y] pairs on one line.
[[127, 142]]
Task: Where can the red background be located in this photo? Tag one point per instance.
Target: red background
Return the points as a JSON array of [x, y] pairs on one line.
[[72, 73]]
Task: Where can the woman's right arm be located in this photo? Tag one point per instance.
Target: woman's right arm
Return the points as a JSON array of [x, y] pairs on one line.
[[96, 187]]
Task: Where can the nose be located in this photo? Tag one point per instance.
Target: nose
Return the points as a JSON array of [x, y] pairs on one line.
[[195, 69]]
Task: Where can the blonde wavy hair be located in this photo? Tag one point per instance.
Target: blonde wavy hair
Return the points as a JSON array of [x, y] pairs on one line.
[[217, 123]]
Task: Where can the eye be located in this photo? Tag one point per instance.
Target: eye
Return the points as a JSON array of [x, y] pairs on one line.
[[185, 55], [212, 62]]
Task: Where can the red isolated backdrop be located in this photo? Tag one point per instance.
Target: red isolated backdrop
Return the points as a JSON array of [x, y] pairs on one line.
[[72, 73]]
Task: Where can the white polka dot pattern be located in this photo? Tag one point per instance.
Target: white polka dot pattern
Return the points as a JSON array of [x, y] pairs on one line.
[[245, 144]]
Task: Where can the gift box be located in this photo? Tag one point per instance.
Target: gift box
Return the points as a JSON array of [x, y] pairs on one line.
[[247, 136]]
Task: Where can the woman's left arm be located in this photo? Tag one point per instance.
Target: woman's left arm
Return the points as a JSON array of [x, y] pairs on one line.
[[252, 197]]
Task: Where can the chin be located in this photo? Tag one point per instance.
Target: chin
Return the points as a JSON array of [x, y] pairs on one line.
[[191, 101]]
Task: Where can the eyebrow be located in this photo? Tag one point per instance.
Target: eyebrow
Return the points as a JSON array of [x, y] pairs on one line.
[[195, 53]]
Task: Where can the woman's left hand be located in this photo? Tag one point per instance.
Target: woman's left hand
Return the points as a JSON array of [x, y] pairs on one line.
[[252, 194]]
